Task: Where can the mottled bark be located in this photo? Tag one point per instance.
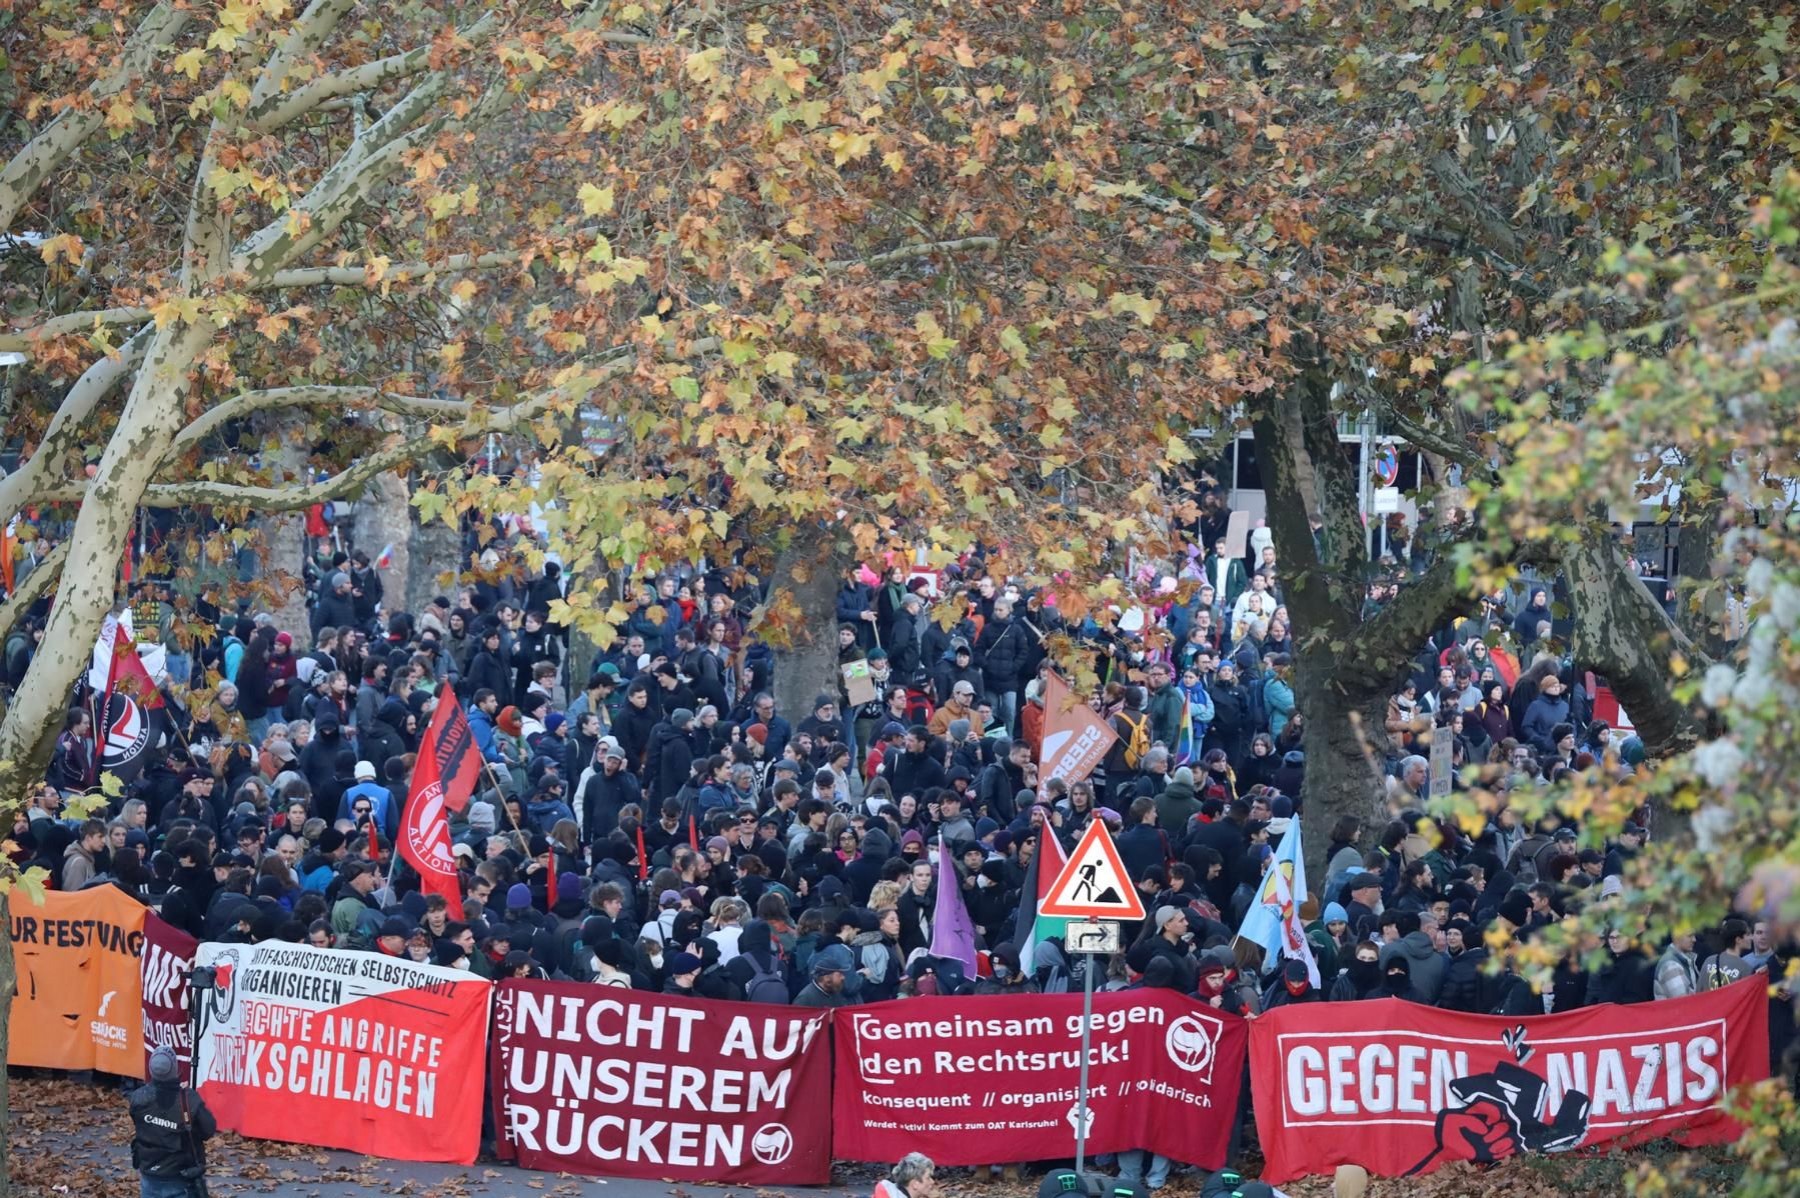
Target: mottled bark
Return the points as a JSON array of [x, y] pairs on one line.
[[807, 571], [102, 527], [1623, 633]]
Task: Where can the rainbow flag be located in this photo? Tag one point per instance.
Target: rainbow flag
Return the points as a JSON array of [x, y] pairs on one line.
[[1186, 750]]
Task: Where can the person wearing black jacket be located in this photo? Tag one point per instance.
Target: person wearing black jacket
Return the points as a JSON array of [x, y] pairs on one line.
[[671, 757], [487, 668], [608, 791], [912, 770], [1467, 985], [1000, 651], [1000, 781], [171, 1125]]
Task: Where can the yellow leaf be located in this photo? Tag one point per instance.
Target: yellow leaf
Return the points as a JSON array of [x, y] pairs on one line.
[[1422, 365], [703, 65], [190, 62], [781, 363], [894, 160], [595, 201]]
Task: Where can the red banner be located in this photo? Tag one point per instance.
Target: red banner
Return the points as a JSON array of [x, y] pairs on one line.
[[168, 955], [361, 1051], [626, 1084], [1442, 1086], [442, 779], [976, 1081]]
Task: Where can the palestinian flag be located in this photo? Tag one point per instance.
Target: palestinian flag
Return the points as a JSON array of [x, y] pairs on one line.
[[1031, 929]]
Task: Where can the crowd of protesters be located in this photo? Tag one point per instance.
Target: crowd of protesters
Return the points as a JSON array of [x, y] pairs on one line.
[[652, 819]]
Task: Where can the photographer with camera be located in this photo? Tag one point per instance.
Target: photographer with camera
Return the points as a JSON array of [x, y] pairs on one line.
[[171, 1126]]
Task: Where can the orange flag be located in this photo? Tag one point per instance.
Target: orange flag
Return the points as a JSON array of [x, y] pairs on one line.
[[1075, 738]]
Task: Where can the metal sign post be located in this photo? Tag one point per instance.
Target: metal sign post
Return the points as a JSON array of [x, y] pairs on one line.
[[1096, 940]]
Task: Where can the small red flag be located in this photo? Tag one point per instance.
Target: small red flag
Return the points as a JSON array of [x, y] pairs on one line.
[[374, 839], [550, 879], [643, 857], [693, 835], [442, 778]]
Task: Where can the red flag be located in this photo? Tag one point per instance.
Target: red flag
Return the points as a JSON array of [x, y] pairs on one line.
[[9, 544], [443, 778], [643, 857], [127, 672], [550, 879], [374, 839], [693, 835], [450, 745]]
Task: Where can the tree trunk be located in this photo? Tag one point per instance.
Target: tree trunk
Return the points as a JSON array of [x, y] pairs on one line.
[[1623, 633], [102, 526], [9, 984], [384, 518], [804, 591], [435, 550]]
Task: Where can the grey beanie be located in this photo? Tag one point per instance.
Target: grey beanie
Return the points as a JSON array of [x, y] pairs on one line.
[[681, 717], [163, 1066], [960, 729]]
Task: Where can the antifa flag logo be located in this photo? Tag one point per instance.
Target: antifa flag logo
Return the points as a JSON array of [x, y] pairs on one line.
[[1495, 1115], [128, 734], [454, 745], [427, 831]]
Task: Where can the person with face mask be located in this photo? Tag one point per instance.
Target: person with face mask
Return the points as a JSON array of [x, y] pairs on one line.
[[1007, 977], [1361, 976], [1292, 988]]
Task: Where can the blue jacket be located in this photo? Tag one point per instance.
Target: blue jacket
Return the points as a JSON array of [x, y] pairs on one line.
[[543, 814], [482, 725]]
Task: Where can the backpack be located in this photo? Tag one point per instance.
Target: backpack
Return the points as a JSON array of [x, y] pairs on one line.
[[1138, 743], [766, 984]]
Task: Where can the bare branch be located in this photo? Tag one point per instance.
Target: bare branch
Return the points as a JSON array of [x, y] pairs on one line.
[[1495, 228], [250, 402], [27, 169], [1421, 437], [399, 272], [307, 37], [275, 110], [69, 423], [907, 253]]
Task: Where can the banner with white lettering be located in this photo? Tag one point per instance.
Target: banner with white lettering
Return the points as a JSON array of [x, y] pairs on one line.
[[168, 955], [342, 1049], [627, 1084], [1400, 1089], [975, 1081]]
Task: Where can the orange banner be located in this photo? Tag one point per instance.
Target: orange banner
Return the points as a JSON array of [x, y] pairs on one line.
[[1075, 738], [80, 998]]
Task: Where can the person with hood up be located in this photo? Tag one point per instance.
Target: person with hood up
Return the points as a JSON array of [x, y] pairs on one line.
[[170, 1127], [1178, 803], [872, 857], [1397, 981], [1467, 985], [1426, 966], [1361, 976], [759, 971]]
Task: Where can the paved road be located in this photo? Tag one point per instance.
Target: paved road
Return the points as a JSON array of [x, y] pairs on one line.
[[71, 1139]]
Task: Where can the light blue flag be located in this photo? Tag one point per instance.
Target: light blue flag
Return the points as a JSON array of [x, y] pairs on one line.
[[1273, 921]]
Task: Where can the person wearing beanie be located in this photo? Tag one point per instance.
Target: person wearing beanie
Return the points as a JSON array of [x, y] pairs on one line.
[[831, 967], [518, 899], [170, 1127], [680, 972]]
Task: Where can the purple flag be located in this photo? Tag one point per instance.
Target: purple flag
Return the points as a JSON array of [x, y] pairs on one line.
[[952, 934]]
